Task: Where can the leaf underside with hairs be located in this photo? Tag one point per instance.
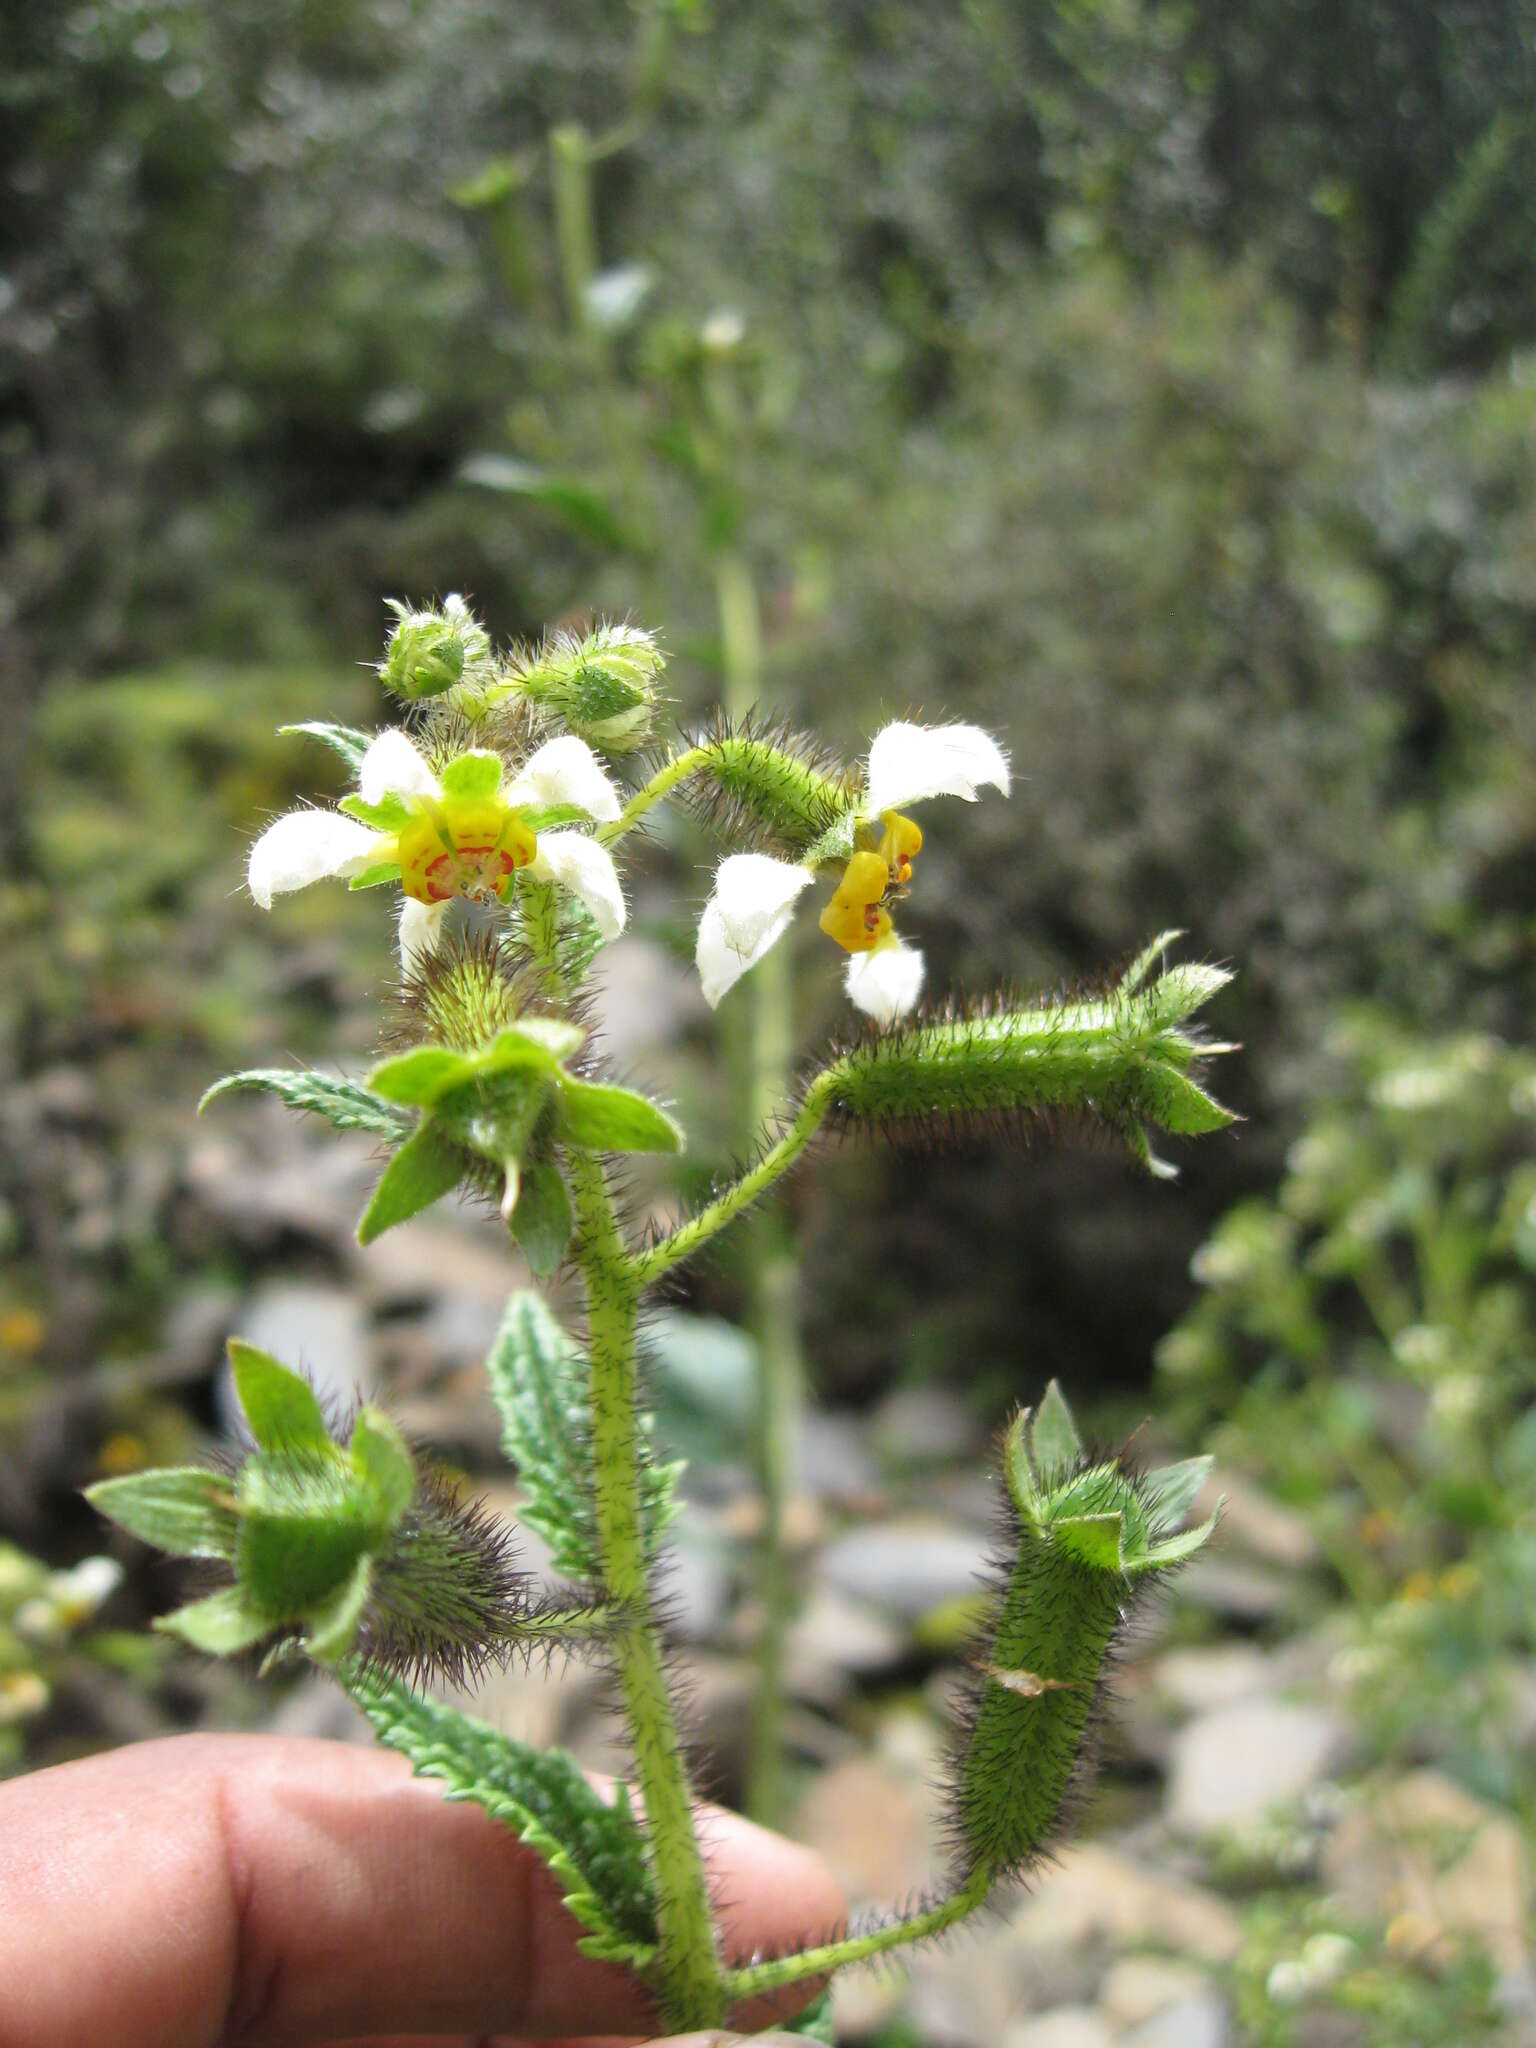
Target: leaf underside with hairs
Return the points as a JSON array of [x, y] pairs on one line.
[[539, 1381], [594, 1850], [346, 1104]]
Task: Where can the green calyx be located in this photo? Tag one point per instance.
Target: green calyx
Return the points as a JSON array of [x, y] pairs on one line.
[[774, 789], [1126, 1060], [601, 685], [301, 1521], [347, 1547], [1087, 1533], [506, 1106]]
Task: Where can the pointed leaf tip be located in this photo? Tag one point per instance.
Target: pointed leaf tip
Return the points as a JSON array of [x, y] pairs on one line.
[[280, 1405], [1055, 1446]]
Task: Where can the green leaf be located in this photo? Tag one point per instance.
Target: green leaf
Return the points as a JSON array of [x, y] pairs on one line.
[[539, 1382], [1054, 1442], [1175, 1549], [534, 1041], [604, 1119], [280, 1405], [377, 876], [1169, 1492], [419, 1077], [426, 1168], [181, 1509], [390, 814], [221, 1625], [1182, 990], [346, 1104], [1147, 959], [594, 1849], [334, 1624], [581, 508], [344, 740], [473, 776], [542, 1221], [1180, 1105], [382, 1460]]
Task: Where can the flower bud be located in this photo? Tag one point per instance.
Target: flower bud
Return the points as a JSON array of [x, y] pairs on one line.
[[601, 685], [431, 651]]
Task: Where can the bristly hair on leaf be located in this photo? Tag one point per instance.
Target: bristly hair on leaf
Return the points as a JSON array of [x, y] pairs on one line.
[[445, 727], [766, 787]]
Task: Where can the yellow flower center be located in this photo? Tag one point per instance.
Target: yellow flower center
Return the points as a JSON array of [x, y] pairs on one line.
[[856, 917], [463, 846]]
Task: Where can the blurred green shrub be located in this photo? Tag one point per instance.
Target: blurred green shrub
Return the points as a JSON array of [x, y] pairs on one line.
[[1368, 1340]]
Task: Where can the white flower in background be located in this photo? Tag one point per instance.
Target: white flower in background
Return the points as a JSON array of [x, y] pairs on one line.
[[754, 895], [467, 832]]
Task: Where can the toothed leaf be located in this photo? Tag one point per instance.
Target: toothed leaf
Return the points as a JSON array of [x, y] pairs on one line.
[[344, 740], [604, 1119], [346, 1104], [181, 1509], [594, 1848], [280, 1406], [426, 1168], [539, 1382]]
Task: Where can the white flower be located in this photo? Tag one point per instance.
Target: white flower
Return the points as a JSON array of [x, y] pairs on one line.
[[459, 834], [753, 899], [910, 763], [885, 983]]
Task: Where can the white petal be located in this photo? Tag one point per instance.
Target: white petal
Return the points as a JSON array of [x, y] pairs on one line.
[[749, 912], [305, 847], [910, 762], [566, 771], [886, 983], [579, 864], [421, 932], [392, 767]]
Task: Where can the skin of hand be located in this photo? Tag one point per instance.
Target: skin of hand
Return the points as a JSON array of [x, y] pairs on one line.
[[231, 1891]]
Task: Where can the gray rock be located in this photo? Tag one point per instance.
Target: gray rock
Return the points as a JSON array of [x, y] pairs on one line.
[[1196, 2022], [1230, 1767], [923, 1426], [1236, 1589], [696, 1590], [1065, 2026], [834, 1640], [908, 1566], [833, 1459]]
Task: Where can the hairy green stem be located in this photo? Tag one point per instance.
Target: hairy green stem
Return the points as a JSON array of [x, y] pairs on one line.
[[689, 1973], [698, 1230], [756, 1979], [662, 783]]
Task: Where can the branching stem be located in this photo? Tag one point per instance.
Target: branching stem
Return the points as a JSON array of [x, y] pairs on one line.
[[759, 1978], [662, 783], [698, 1230]]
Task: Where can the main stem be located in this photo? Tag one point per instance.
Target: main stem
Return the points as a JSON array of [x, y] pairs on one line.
[[691, 1986], [773, 1303]]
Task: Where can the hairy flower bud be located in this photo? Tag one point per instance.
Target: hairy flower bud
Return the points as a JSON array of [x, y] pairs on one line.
[[1086, 1535], [430, 651], [601, 685]]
